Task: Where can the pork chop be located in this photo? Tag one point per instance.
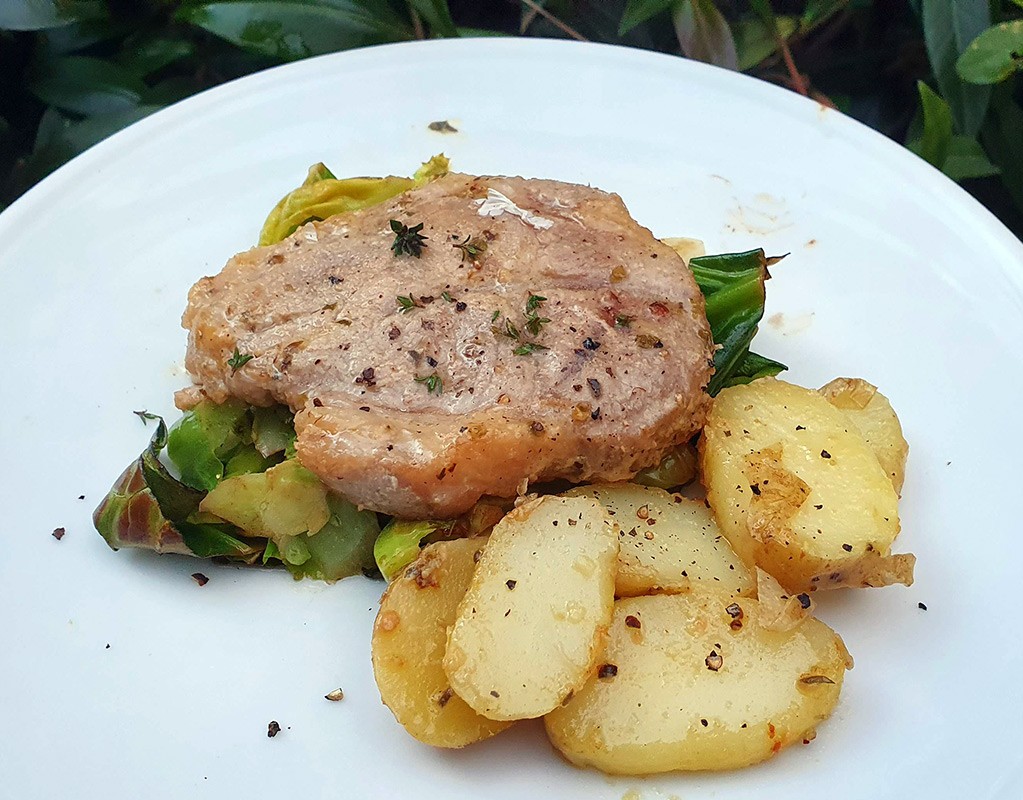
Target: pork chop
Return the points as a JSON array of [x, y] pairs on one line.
[[541, 334]]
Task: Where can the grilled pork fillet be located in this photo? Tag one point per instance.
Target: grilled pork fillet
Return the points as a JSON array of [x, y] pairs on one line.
[[418, 407]]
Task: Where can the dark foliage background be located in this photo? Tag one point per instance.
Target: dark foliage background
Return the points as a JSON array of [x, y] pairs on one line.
[[943, 77]]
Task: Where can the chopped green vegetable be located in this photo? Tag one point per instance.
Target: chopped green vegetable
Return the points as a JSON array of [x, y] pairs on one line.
[[246, 459], [754, 366], [203, 439], [129, 516], [342, 547], [273, 430], [322, 195], [676, 469], [176, 500], [398, 544], [285, 501], [210, 541], [733, 285]]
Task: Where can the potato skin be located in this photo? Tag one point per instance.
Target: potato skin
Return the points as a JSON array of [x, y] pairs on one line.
[[873, 415], [667, 542], [699, 687], [533, 621], [409, 638], [798, 491]]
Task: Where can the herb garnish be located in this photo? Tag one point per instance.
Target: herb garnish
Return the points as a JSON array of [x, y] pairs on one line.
[[433, 383], [623, 321], [239, 360], [534, 322], [472, 249], [407, 241], [447, 296], [509, 330], [145, 416], [407, 303]]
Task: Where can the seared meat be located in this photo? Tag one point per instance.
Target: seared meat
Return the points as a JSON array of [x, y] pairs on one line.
[[418, 406]]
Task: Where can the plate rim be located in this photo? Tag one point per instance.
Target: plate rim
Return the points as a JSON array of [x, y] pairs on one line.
[[881, 149]]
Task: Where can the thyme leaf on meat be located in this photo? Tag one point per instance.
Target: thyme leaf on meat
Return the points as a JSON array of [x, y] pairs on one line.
[[407, 303], [528, 348], [508, 330], [472, 249], [433, 383], [534, 322], [239, 360], [407, 241]]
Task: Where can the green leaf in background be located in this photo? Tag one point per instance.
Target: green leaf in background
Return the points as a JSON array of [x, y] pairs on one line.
[[755, 41], [763, 9], [967, 159], [1003, 139], [293, 30], [33, 15], [818, 11], [472, 33], [145, 54], [437, 16], [949, 26], [703, 33], [994, 55], [86, 86], [937, 136], [639, 11]]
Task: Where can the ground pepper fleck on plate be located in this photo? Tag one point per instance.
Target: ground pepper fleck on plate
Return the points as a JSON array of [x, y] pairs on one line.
[[273, 728], [58, 533], [199, 578]]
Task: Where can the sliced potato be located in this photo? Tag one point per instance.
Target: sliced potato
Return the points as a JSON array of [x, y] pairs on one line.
[[533, 621], [694, 682], [779, 610], [798, 491], [409, 638], [667, 541], [875, 419]]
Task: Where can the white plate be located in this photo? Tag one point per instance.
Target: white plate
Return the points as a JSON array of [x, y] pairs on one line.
[[895, 274]]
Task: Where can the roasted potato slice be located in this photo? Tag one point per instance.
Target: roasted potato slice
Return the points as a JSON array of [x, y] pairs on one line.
[[694, 682], [798, 491], [533, 620], [409, 639], [666, 541], [876, 420]]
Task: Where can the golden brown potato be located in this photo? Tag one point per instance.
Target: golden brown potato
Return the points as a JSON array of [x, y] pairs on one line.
[[694, 682], [409, 638], [798, 491], [875, 419], [666, 541], [533, 620]]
